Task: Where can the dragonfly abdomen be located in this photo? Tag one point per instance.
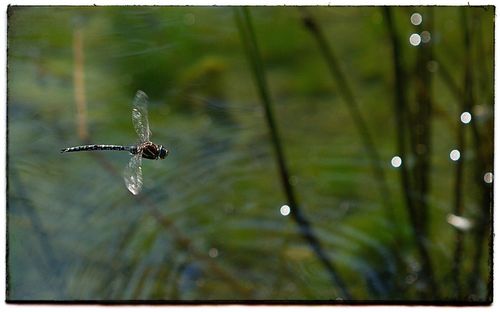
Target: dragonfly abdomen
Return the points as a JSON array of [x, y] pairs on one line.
[[99, 147]]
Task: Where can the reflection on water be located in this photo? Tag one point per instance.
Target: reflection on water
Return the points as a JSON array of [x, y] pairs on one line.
[[206, 224]]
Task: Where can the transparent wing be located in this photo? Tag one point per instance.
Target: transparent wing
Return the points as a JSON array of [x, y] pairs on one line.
[[133, 174], [140, 116]]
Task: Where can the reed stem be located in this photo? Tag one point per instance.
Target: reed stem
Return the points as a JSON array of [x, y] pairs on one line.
[[79, 84], [244, 23], [414, 183], [352, 105]]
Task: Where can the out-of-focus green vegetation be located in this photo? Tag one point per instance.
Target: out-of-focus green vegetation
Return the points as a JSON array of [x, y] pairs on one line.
[[207, 224]]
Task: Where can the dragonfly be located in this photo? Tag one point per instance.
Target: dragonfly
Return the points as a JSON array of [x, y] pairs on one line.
[[132, 174]]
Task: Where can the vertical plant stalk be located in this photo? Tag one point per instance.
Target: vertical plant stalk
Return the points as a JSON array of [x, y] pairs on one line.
[[483, 151], [458, 205], [483, 227], [483, 146], [408, 180], [423, 144], [244, 23], [347, 95], [422, 123], [79, 84], [458, 210], [349, 100]]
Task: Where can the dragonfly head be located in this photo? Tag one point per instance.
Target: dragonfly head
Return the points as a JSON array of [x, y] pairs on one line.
[[163, 152]]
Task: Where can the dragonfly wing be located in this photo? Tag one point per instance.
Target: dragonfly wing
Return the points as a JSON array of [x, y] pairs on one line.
[[133, 174], [140, 116]]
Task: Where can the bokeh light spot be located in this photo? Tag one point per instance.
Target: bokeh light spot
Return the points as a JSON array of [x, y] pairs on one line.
[[189, 19], [466, 117], [285, 210], [396, 161], [459, 222], [213, 252], [455, 155], [416, 19], [426, 36], [415, 39], [488, 177]]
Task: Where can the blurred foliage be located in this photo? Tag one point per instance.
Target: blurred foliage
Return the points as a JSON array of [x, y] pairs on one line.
[[207, 224]]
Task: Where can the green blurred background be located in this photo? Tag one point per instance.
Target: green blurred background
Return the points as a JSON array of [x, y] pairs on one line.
[[207, 225]]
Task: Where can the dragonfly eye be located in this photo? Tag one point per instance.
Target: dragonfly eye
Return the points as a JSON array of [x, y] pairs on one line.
[[163, 152]]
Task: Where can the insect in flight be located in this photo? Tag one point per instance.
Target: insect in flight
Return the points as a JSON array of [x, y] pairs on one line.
[[144, 149]]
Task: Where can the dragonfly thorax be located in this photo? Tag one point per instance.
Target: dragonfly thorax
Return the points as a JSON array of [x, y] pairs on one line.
[[150, 150]]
